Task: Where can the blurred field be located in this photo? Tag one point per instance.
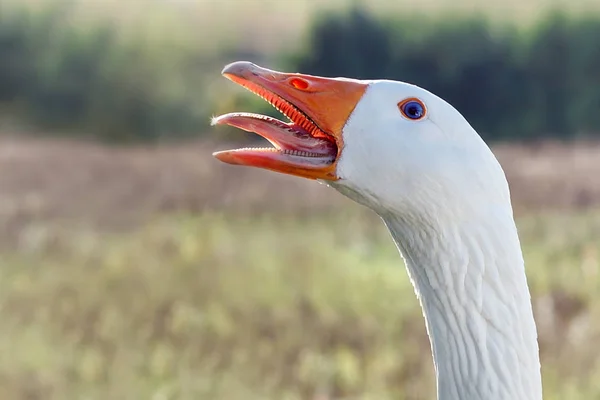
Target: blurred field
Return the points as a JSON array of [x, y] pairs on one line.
[[74, 182], [157, 273]]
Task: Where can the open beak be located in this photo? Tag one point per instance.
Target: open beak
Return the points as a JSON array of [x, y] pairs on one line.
[[310, 144]]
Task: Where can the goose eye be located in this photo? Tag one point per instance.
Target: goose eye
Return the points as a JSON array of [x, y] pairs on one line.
[[413, 109]]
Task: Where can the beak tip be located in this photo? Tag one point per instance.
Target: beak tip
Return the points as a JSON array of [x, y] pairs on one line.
[[214, 121], [238, 68], [218, 155], [226, 157]]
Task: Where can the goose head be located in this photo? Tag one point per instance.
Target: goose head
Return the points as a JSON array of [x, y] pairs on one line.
[[392, 146]]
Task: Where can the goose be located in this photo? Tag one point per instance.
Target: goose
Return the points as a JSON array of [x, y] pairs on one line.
[[415, 161]]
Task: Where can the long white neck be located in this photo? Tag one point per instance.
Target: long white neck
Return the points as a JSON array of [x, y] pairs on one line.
[[470, 280]]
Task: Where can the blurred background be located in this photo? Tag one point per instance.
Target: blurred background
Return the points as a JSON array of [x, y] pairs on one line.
[[135, 266]]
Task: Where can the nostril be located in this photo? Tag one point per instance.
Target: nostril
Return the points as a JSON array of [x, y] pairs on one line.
[[298, 83]]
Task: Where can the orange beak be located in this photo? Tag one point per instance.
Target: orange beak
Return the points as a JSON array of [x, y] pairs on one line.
[[308, 146]]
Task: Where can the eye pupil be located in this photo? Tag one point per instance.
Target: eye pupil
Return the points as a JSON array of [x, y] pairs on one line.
[[413, 110]]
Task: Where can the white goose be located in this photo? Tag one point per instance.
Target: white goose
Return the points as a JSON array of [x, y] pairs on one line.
[[413, 159]]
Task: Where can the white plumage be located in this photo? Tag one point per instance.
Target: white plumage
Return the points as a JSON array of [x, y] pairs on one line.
[[446, 202]]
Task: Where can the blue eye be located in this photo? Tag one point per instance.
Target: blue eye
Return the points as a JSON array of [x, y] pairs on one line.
[[412, 109]]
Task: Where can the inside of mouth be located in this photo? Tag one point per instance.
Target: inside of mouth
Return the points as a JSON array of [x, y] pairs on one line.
[[300, 138], [288, 139]]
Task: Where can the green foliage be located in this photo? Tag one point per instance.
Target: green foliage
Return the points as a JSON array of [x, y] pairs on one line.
[[509, 83], [157, 76], [267, 307], [93, 79]]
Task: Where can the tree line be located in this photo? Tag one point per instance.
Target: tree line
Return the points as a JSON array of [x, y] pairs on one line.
[[525, 83], [509, 83]]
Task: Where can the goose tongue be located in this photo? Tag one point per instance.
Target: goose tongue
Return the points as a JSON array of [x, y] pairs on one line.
[[290, 138]]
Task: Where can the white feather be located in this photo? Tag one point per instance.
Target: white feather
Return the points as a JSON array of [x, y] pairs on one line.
[[445, 199]]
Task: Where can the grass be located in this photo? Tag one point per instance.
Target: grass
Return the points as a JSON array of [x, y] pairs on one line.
[[215, 298], [158, 273], [266, 306], [66, 182]]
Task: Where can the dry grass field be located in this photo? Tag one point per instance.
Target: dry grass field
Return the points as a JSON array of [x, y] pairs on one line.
[[155, 272], [77, 182], [158, 273]]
